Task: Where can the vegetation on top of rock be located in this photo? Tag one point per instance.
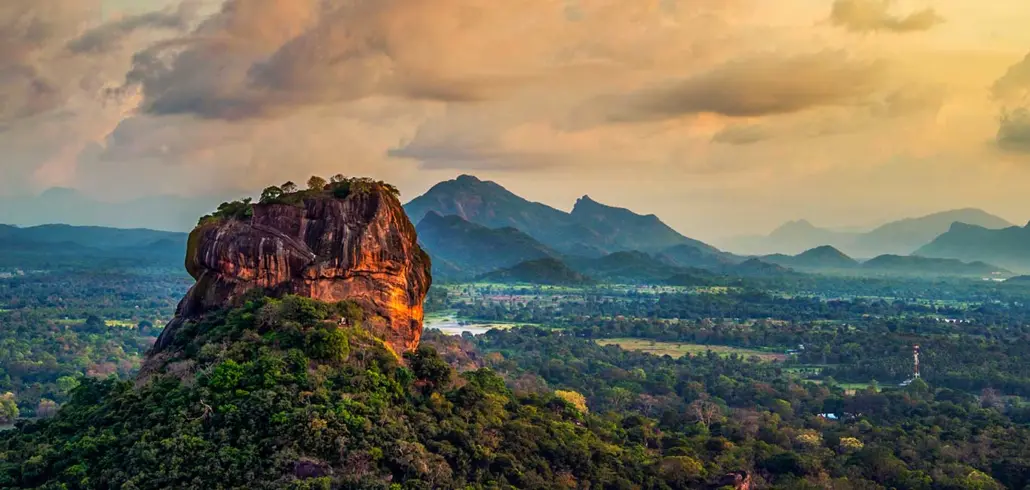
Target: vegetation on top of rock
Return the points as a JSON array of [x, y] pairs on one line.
[[338, 186]]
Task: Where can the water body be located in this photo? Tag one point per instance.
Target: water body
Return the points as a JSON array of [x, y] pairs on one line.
[[451, 326]]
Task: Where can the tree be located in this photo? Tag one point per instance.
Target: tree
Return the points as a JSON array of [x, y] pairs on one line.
[[430, 370], [8, 408], [850, 444], [336, 179], [271, 195], [990, 398], [979, 480], [681, 470], [289, 187], [46, 409], [67, 383], [316, 183], [94, 324], [705, 410], [573, 398]]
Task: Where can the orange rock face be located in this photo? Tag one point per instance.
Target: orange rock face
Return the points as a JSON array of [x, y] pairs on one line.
[[362, 248]]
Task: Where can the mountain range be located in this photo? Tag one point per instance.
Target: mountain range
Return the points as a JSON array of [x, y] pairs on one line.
[[472, 228], [1007, 247], [60, 205], [895, 238], [52, 244], [827, 259], [460, 248], [822, 258], [592, 229]]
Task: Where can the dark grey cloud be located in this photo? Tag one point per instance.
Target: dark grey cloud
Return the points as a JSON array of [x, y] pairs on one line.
[[1012, 92], [759, 86], [741, 134], [874, 15], [262, 58], [1015, 83], [110, 35], [1014, 130]]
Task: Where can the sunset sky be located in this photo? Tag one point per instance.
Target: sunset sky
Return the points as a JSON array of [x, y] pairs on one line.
[[721, 116]]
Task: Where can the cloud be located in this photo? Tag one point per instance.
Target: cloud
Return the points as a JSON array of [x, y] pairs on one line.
[[265, 58], [30, 31], [1014, 131], [1012, 92], [108, 36], [1014, 85], [874, 15], [757, 86], [738, 134]]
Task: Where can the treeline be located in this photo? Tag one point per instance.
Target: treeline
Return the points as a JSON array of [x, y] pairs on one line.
[[732, 414], [739, 304]]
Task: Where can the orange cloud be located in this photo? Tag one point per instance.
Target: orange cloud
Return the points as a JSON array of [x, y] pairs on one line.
[[874, 15]]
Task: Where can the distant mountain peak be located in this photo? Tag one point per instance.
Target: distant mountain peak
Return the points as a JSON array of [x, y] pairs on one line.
[[587, 204], [591, 229], [56, 192], [823, 251], [587, 200], [797, 224]]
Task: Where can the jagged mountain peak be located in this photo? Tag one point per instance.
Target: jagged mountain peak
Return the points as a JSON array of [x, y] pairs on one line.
[[591, 228]]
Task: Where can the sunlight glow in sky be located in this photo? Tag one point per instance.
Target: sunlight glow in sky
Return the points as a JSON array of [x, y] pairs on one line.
[[720, 116]]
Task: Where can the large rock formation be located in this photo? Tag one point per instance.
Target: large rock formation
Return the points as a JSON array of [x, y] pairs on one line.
[[361, 248]]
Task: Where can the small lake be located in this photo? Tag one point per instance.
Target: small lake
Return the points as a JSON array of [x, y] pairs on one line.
[[452, 326]]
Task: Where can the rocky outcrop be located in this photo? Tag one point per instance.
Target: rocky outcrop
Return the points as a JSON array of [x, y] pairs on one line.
[[361, 248], [738, 480]]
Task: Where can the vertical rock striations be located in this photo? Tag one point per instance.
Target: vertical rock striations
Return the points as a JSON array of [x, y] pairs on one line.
[[361, 248]]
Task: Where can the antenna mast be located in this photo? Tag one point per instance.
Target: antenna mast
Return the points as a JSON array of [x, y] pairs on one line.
[[915, 356]]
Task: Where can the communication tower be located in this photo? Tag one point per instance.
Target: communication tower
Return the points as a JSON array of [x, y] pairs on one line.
[[915, 357]]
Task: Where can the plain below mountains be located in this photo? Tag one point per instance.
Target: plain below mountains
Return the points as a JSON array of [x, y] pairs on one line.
[[896, 238], [1008, 247]]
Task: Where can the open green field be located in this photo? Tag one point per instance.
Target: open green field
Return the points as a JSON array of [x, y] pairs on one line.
[[120, 323], [852, 388], [109, 323], [677, 349]]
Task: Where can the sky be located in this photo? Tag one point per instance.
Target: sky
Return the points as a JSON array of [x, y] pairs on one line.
[[723, 117]]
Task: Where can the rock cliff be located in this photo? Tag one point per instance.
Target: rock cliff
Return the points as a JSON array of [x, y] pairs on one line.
[[361, 248]]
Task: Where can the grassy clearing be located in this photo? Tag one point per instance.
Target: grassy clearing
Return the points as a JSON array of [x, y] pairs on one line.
[[120, 323], [852, 388], [677, 349], [849, 388]]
